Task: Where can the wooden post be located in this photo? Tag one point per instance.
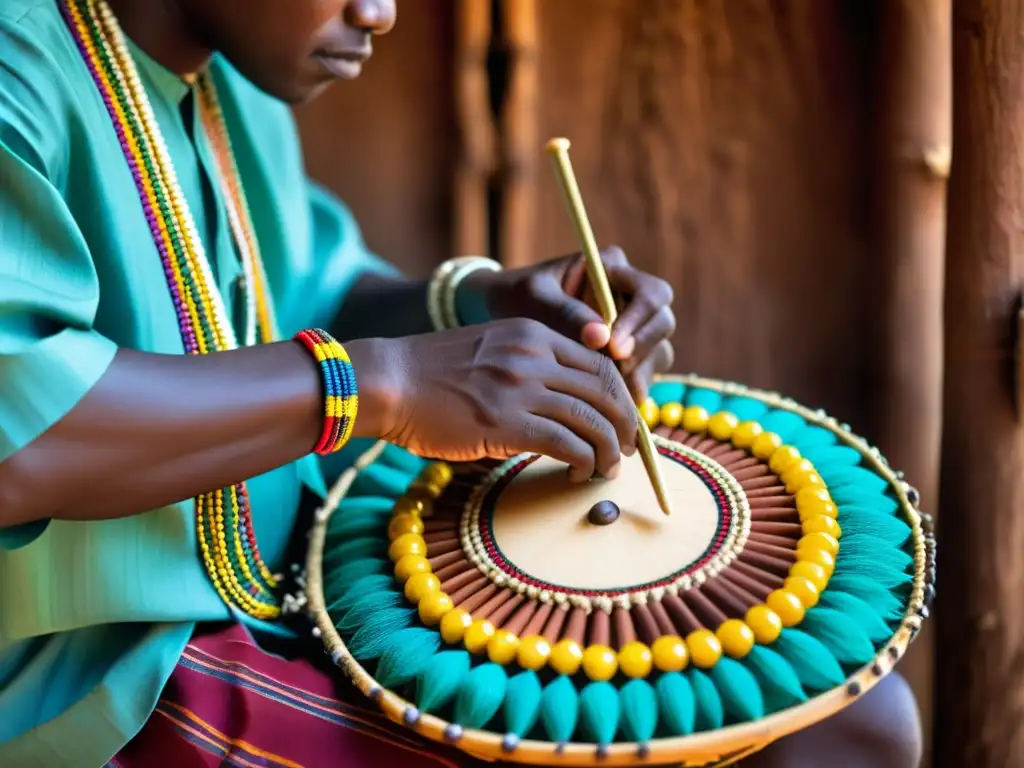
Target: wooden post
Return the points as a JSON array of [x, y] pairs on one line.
[[477, 151], [520, 141], [980, 618], [915, 114]]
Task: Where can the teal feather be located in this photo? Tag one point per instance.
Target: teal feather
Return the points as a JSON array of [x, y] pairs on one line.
[[779, 683], [710, 710], [860, 612], [841, 634], [812, 437], [360, 588], [340, 550], [667, 392], [884, 602], [364, 609], [858, 497], [860, 520], [560, 709], [839, 476], [441, 679], [676, 704], [829, 456], [370, 639], [406, 655], [705, 398], [638, 705], [872, 559], [402, 460], [599, 712], [381, 480], [361, 505], [354, 526], [741, 694], [744, 408], [813, 663], [346, 574], [783, 423], [522, 703], [480, 695]]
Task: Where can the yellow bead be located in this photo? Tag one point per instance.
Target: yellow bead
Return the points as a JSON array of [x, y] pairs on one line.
[[814, 500], [818, 557], [819, 540], [502, 647], [722, 424], [670, 653], [566, 657], [787, 606], [478, 636], [765, 444], [705, 649], [782, 457], [635, 660], [420, 585], [407, 544], [408, 505], [794, 467], [439, 473], [822, 524], [745, 432], [650, 412], [803, 589], [813, 572], [671, 414], [765, 624], [433, 607], [409, 566], [534, 652], [404, 523], [806, 479], [454, 625], [695, 419], [599, 662], [736, 637]]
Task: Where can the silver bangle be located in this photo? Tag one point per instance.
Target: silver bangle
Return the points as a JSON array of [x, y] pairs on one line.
[[441, 299]]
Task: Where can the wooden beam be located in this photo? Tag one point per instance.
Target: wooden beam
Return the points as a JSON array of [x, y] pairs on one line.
[[980, 619]]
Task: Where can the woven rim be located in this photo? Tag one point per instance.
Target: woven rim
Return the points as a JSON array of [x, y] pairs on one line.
[[721, 747]]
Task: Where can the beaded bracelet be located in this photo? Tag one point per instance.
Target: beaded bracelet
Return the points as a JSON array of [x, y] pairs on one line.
[[341, 395], [445, 282]]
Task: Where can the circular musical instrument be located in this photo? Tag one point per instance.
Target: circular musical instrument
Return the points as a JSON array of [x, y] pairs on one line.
[[502, 609]]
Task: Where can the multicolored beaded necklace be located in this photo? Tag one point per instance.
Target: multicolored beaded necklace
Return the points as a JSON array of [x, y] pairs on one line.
[[224, 529]]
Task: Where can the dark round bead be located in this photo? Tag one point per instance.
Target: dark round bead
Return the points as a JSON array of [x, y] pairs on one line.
[[929, 595], [376, 692], [603, 513], [853, 689], [510, 742], [913, 496], [411, 716], [453, 732], [602, 750], [894, 652], [643, 750], [876, 669]]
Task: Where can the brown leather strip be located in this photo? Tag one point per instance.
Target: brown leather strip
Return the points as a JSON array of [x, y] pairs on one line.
[[726, 601], [742, 596], [504, 610], [553, 629], [778, 501], [443, 561], [749, 461], [434, 524], [600, 631], [706, 444], [750, 473], [453, 584], [576, 626], [792, 530], [709, 614], [681, 436], [682, 617], [434, 537], [767, 491], [773, 515], [771, 480], [452, 570], [470, 590], [744, 585], [764, 562], [693, 440], [778, 541], [538, 620], [661, 618], [662, 431], [645, 624], [757, 574], [718, 450], [754, 544], [622, 622], [518, 621], [443, 547], [497, 598], [733, 459]]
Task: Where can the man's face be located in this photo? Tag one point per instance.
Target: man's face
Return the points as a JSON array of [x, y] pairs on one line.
[[293, 49]]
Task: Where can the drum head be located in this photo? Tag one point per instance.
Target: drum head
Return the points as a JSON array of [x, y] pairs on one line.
[[522, 617]]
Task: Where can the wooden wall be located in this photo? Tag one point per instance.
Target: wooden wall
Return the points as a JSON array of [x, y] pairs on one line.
[[726, 146]]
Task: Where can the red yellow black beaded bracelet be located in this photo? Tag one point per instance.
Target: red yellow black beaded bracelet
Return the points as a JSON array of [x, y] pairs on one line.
[[341, 394]]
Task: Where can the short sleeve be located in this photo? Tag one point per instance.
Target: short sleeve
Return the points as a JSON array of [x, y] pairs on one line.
[[50, 356]]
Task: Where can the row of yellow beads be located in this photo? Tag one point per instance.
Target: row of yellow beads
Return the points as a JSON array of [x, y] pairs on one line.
[[816, 550]]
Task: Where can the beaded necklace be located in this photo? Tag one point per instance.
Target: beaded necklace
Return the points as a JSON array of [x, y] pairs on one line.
[[224, 530]]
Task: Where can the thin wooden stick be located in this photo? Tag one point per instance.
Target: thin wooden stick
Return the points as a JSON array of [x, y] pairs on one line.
[[559, 151]]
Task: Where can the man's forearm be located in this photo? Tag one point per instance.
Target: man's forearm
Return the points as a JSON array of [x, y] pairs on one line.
[[383, 306]]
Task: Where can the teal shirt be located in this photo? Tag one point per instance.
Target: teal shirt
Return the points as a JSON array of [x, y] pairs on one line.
[[94, 616]]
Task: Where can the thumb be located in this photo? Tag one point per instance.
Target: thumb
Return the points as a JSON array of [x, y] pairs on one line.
[[569, 316]]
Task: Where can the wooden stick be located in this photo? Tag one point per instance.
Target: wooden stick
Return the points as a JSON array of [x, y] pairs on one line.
[[559, 151]]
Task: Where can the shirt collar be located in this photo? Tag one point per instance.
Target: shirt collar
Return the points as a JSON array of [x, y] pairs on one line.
[[160, 81]]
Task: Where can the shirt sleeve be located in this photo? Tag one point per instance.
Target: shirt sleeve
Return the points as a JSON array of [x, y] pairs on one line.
[[50, 356]]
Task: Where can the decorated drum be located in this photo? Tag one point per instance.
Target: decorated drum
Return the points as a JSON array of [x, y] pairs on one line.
[[521, 617]]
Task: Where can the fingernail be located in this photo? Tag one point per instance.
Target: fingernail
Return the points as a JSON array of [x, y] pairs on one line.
[[614, 470], [629, 450]]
